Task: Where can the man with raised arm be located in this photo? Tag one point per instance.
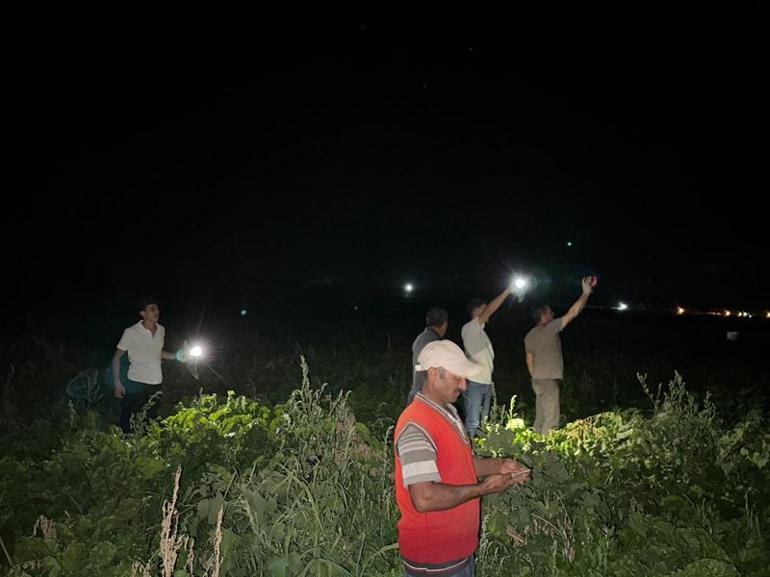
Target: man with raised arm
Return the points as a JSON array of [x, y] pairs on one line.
[[545, 361]]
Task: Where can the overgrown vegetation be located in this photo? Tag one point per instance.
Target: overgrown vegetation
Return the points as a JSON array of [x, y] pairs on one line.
[[233, 485]]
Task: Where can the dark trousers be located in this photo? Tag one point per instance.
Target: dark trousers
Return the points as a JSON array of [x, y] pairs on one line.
[[134, 401], [467, 570]]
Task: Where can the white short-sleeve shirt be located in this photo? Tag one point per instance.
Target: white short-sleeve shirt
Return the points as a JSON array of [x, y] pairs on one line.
[[478, 348], [144, 350]]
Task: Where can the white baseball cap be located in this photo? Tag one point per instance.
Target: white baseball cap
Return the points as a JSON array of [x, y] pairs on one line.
[[447, 355]]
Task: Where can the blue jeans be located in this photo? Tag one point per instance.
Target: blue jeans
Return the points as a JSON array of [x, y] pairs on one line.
[[476, 399]]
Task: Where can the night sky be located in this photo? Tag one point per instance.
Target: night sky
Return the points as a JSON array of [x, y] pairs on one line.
[[159, 152]]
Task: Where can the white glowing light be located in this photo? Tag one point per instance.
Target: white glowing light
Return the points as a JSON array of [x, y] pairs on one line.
[[727, 313], [196, 351], [569, 243], [680, 311], [243, 312], [622, 307], [767, 315], [520, 282], [408, 287]]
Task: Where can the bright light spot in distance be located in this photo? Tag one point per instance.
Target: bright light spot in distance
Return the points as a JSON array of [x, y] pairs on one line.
[[622, 307], [680, 311], [196, 351], [243, 312], [520, 282], [408, 287]]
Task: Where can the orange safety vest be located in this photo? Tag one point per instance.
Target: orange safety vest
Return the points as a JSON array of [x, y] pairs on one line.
[[438, 536]]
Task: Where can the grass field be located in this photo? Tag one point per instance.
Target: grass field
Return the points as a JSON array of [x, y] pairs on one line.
[[290, 472]]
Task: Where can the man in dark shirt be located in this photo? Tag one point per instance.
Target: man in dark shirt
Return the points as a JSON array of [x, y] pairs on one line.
[[437, 321]]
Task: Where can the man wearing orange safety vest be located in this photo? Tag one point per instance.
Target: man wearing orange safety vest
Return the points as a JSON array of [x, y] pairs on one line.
[[437, 477]]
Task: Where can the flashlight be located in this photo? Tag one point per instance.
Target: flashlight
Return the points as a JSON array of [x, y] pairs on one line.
[[520, 282], [189, 353]]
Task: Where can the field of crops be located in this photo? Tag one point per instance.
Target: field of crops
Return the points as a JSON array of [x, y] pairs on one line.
[[277, 460]]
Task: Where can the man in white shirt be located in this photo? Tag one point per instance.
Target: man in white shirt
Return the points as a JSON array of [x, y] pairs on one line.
[[144, 344], [478, 348]]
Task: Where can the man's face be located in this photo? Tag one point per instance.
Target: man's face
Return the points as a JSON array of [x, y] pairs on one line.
[[150, 313], [477, 312], [446, 385], [441, 329], [547, 316]]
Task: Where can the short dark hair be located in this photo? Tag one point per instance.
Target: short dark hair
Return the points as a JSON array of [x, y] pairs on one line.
[[473, 304], [435, 317], [144, 302], [538, 312]]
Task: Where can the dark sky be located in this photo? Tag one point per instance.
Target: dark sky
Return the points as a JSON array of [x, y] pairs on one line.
[[184, 148]]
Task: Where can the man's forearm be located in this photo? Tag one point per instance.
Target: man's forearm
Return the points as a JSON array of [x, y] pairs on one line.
[[496, 303], [116, 366], [440, 497], [485, 467], [579, 305]]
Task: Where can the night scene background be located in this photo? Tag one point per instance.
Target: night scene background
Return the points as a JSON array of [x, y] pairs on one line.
[[174, 158], [277, 180]]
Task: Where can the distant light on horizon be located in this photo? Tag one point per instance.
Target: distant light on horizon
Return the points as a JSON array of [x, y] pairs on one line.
[[622, 306], [727, 313], [243, 312], [408, 287], [569, 243], [196, 351], [680, 311]]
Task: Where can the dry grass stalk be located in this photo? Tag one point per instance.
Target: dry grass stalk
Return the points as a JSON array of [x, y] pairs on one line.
[[140, 570], [170, 542], [46, 527], [218, 543]]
